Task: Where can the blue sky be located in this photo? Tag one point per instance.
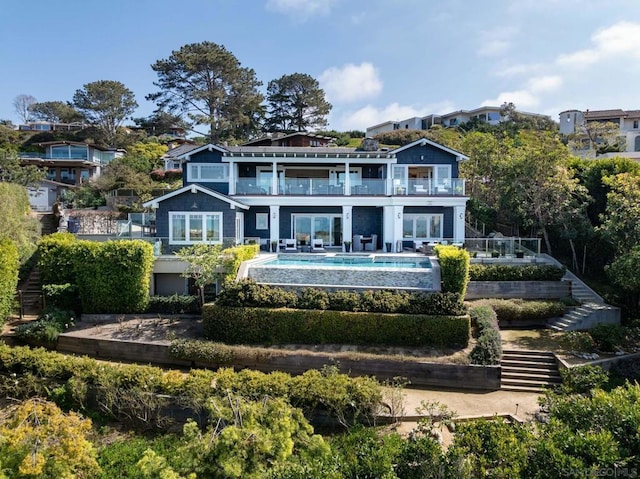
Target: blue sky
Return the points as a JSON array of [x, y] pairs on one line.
[[377, 60]]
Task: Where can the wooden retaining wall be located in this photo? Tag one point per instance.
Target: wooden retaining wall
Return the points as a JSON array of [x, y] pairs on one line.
[[422, 374]]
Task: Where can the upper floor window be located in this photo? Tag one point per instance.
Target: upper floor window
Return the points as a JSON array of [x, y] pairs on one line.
[[69, 151], [208, 172], [635, 124]]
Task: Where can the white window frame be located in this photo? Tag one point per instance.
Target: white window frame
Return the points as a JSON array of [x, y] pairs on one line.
[[429, 218], [194, 172], [187, 216], [262, 221]]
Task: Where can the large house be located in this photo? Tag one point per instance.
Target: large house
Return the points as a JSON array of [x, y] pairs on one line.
[[488, 114], [394, 198], [628, 122]]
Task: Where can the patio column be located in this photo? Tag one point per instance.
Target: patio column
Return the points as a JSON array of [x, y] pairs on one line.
[[274, 223], [347, 178], [458, 224], [274, 178], [232, 177], [392, 226], [347, 224]]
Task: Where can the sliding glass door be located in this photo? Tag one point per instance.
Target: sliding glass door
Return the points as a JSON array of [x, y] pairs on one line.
[[328, 228]]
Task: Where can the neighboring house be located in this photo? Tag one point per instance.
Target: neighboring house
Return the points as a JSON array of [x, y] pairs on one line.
[[173, 158], [488, 114], [51, 126], [266, 193], [71, 162], [68, 163], [43, 197], [628, 122], [301, 138]]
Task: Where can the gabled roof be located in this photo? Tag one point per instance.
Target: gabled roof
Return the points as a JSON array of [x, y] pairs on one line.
[[208, 146], [424, 142], [194, 188], [181, 150], [593, 114]]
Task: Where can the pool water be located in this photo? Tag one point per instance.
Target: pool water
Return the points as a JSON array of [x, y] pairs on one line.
[[358, 261]]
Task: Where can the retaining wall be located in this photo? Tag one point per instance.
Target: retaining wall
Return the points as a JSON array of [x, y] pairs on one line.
[[417, 372], [518, 289]]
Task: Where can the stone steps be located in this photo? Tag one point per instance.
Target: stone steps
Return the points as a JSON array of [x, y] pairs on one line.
[[531, 371]]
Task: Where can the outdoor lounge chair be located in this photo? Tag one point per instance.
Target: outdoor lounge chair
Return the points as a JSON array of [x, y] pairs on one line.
[[373, 244], [317, 245], [290, 246]]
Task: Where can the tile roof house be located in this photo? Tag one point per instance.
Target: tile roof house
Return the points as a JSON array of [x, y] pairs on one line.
[[267, 193], [628, 122]]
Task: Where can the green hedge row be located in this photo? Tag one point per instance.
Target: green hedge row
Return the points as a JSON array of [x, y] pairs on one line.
[[123, 392], [17, 225], [523, 310], [9, 265], [290, 326], [488, 348], [111, 277], [454, 268], [248, 293], [503, 272], [62, 296], [174, 304]]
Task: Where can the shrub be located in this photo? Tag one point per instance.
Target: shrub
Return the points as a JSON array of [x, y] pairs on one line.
[[583, 379], [248, 293], [454, 269], [57, 258], [608, 337], [206, 351], [578, 341], [47, 327], [503, 272], [234, 257], [488, 348], [174, 304], [523, 310], [62, 296], [8, 277], [269, 326]]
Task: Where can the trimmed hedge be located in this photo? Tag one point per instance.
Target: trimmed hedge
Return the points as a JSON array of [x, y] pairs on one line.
[[248, 293], [174, 304], [119, 391], [488, 348], [9, 266], [454, 268], [111, 277], [286, 326], [523, 310], [503, 272], [234, 257]]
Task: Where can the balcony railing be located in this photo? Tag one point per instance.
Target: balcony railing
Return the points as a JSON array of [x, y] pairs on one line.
[[360, 187]]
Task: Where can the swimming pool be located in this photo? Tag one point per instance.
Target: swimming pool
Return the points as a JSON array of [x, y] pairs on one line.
[[350, 260], [344, 271]]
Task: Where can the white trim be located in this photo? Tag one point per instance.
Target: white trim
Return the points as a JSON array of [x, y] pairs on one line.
[[187, 217], [207, 147], [423, 142], [194, 188]]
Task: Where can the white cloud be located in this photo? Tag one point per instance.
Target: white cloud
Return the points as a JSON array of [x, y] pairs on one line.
[[522, 99], [620, 39], [545, 83], [495, 42], [351, 82], [301, 10], [519, 69]]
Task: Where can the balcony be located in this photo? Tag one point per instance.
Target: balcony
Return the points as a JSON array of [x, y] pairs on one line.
[[359, 187]]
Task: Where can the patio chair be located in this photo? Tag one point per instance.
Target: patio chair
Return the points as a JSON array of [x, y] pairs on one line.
[[317, 245], [373, 245], [357, 242], [290, 246]]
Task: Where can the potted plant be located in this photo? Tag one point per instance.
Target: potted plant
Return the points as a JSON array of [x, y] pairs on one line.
[[519, 253], [388, 245], [274, 246], [495, 254], [347, 246]]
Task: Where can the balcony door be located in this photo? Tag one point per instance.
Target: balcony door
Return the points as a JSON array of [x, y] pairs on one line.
[[326, 227]]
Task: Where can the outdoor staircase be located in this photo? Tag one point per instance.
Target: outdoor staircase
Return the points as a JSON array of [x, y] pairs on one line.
[[592, 310], [48, 222], [529, 371], [31, 294]]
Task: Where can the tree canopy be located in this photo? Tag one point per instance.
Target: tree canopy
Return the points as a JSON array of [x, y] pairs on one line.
[[106, 104], [207, 83], [55, 111], [296, 103], [21, 104]]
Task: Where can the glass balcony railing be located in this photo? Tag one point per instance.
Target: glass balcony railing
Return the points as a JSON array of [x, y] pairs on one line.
[[359, 187]]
